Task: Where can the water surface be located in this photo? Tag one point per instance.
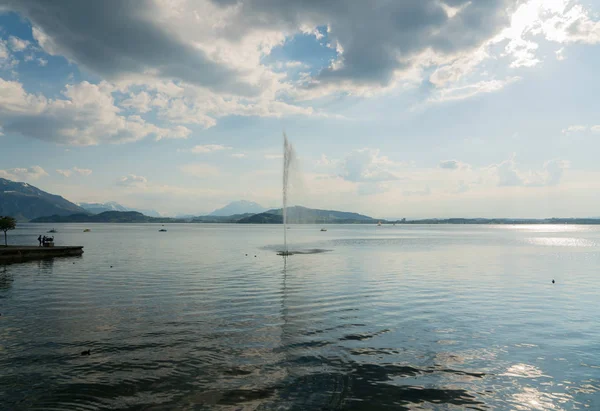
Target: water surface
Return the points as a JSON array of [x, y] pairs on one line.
[[209, 317]]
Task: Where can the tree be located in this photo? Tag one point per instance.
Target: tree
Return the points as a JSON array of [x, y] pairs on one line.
[[7, 223]]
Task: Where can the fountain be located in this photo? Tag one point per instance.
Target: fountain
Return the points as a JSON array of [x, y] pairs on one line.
[[289, 158], [291, 170]]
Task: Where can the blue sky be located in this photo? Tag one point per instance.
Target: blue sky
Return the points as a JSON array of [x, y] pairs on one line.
[[398, 109]]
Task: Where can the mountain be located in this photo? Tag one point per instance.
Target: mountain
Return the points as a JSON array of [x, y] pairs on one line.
[[239, 207], [105, 217], [24, 202], [304, 215], [97, 208], [219, 219]]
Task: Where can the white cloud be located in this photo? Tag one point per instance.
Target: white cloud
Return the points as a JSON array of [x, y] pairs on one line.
[[65, 173], [76, 170], [273, 156], [238, 155], [132, 180], [574, 129], [87, 116], [17, 44], [217, 48], [200, 170], [366, 165], [424, 192], [141, 102], [471, 90], [42, 62], [508, 174], [208, 148], [581, 129], [31, 173], [454, 165], [82, 171]]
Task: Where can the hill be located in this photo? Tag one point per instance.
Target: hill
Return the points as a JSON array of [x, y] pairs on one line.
[[304, 215], [239, 207], [25, 202], [105, 217], [97, 208]]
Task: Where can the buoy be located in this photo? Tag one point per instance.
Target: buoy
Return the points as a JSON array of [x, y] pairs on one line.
[[552, 281]]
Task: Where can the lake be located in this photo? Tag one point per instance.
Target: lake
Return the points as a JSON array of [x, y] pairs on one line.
[[394, 317]]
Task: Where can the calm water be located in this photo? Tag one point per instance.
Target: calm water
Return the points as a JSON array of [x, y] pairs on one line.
[[405, 317]]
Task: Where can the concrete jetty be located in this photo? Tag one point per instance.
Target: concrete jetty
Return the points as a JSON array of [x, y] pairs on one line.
[[17, 253]]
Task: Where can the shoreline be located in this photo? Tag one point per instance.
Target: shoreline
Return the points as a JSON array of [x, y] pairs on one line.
[[19, 253]]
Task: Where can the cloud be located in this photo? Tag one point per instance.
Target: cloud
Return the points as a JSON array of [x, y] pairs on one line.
[[31, 173], [574, 129], [17, 44], [238, 155], [425, 192], [196, 61], [581, 129], [454, 165], [374, 43], [65, 173], [366, 165], [273, 156], [208, 148], [200, 170], [471, 90], [76, 170], [139, 41], [42, 62], [86, 116], [82, 171], [368, 189], [509, 175], [132, 180]]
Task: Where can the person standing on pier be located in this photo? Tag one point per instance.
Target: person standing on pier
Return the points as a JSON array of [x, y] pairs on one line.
[[40, 240]]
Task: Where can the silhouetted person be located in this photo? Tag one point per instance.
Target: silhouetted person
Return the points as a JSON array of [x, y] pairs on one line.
[[40, 240]]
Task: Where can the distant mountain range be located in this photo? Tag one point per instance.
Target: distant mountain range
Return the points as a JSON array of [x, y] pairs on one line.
[[104, 217], [239, 207], [304, 215], [97, 208], [24, 202]]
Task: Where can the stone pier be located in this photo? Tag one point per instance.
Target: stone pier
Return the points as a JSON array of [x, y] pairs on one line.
[[17, 253]]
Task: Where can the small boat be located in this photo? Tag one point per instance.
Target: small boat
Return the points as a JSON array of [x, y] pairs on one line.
[[87, 230], [379, 224], [52, 231], [162, 230], [323, 229]]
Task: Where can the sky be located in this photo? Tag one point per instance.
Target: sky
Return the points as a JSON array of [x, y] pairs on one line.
[[406, 109]]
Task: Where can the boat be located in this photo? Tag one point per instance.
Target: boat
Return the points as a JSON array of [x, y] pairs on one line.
[[162, 230], [323, 229], [379, 224], [52, 231], [87, 230]]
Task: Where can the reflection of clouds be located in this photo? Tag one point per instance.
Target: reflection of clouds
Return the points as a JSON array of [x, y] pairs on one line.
[[524, 371], [532, 399], [545, 228], [561, 242]]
